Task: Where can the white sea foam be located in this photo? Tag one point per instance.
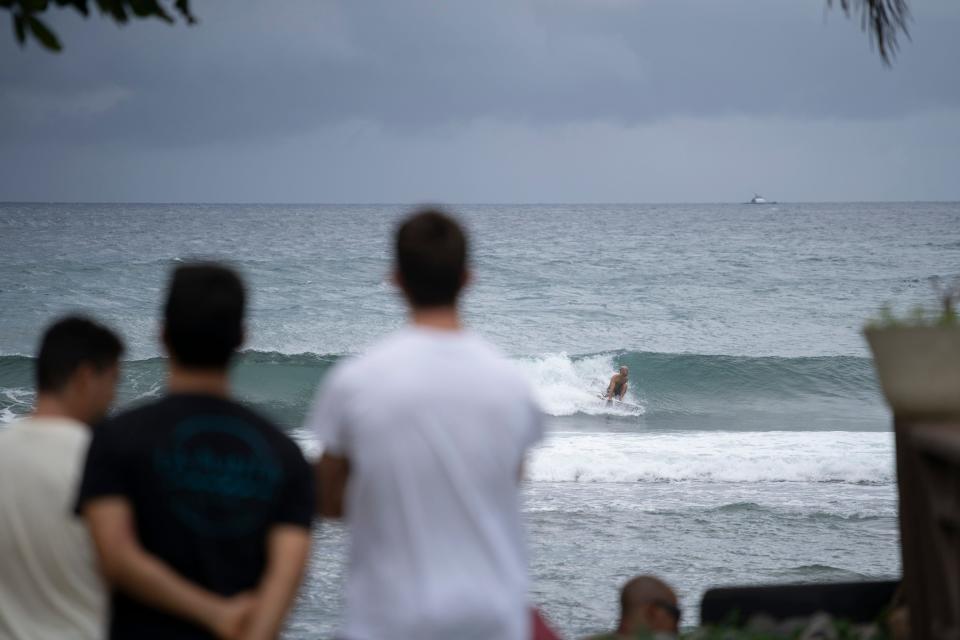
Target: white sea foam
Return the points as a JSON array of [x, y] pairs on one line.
[[564, 386], [308, 443], [848, 457], [16, 404], [776, 456]]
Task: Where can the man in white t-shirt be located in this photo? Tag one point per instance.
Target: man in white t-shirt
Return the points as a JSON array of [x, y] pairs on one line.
[[49, 584], [426, 470]]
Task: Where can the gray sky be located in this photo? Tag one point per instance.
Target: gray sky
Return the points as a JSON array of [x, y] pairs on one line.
[[484, 101]]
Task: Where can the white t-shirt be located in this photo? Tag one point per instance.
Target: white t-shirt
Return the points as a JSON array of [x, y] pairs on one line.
[[435, 425], [49, 585]]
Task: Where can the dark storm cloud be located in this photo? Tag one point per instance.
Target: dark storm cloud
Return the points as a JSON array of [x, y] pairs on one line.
[[255, 70]]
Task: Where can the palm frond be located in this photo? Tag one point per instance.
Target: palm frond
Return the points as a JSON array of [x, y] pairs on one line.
[[885, 20]]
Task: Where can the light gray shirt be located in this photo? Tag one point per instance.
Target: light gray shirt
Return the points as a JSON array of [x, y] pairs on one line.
[[435, 425], [49, 585]]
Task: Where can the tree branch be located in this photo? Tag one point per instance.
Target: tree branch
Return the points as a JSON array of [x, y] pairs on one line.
[[27, 23], [883, 19]]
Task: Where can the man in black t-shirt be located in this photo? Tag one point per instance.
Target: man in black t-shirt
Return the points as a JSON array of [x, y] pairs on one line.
[[199, 508]]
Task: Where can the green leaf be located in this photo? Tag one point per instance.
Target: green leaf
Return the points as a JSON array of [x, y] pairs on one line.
[[79, 5], [33, 6], [43, 34], [141, 8], [148, 8], [114, 8], [183, 6], [19, 27]]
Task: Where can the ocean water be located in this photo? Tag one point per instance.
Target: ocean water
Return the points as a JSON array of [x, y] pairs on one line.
[[761, 450]]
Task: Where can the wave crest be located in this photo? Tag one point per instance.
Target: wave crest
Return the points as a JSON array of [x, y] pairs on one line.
[[661, 384]]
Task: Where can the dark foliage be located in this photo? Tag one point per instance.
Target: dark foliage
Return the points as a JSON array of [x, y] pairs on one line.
[[883, 19], [27, 22]]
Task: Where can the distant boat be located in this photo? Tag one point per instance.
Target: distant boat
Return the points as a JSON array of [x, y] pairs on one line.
[[759, 199]]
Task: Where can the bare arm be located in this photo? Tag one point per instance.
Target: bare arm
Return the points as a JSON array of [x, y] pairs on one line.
[[287, 549], [611, 387], [126, 565], [332, 473]]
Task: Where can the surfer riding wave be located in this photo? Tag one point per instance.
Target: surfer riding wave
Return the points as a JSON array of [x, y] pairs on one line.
[[617, 388]]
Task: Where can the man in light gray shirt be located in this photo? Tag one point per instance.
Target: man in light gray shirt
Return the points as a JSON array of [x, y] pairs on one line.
[[426, 469], [49, 584]]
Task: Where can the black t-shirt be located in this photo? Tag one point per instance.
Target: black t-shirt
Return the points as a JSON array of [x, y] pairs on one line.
[[207, 479]]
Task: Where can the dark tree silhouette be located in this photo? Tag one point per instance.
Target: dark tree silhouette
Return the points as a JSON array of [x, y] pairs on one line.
[[27, 22], [883, 19]]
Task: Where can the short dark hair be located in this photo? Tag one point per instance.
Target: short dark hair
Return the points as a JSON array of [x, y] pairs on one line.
[[203, 316], [70, 343], [431, 255]]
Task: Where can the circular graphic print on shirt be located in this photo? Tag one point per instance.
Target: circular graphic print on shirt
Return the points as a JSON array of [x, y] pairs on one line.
[[219, 474]]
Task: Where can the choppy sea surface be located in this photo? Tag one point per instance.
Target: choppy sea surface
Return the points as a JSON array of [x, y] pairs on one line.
[[760, 450]]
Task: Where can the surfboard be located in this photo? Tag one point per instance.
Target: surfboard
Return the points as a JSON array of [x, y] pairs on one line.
[[626, 404]]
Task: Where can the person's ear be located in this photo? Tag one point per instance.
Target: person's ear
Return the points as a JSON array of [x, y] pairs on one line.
[[95, 390], [82, 380]]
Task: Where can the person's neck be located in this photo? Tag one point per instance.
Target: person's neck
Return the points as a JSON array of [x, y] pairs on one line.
[[53, 406], [440, 318], [208, 382]]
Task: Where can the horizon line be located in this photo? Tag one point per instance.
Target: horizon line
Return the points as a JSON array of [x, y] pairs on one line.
[[420, 203]]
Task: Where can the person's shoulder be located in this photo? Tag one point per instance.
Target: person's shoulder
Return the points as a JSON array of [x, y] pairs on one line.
[[126, 429], [145, 407], [347, 372], [12, 429], [249, 414], [277, 436], [357, 368], [286, 448], [490, 356], [482, 350], [45, 450], [12, 434], [289, 451], [390, 345], [138, 414]]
